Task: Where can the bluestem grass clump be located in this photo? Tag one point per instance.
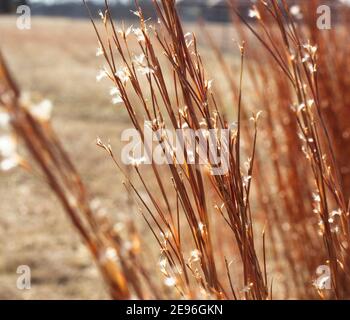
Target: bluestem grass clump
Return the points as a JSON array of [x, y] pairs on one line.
[[282, 208]]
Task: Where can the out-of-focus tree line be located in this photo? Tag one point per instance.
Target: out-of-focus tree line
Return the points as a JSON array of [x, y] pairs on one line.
[[7, 6]]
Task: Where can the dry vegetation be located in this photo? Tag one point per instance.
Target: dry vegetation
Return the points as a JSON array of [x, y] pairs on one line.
[[258, 232]]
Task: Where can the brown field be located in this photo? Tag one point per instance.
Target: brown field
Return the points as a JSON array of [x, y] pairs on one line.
[[48, 62]]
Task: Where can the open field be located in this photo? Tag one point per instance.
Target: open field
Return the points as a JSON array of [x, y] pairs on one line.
[[48, 63]]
